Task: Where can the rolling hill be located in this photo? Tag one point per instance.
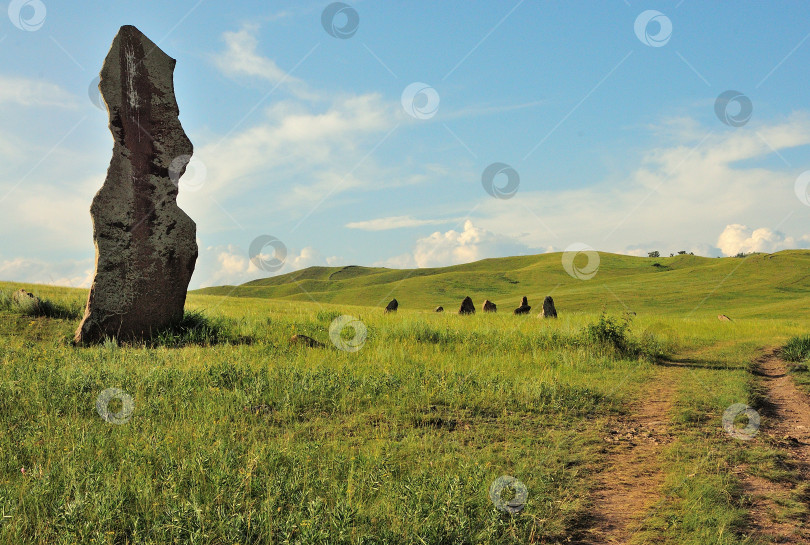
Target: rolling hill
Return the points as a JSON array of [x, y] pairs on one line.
[[759, 285]]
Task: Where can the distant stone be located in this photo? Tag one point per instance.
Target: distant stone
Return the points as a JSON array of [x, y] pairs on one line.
[[489, 306], [146, 245], [439, 309], [548, 310], [306, 341], [723, 318], [27, 301], [392, 306], [524, 307], [467, 306]]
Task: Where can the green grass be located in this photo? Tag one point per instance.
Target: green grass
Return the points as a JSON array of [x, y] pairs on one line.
[[797, 349], [41, 307], [239, 437]]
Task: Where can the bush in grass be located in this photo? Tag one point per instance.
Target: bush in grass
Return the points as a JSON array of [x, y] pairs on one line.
[[615, 333], [797, 349], [611, 331]]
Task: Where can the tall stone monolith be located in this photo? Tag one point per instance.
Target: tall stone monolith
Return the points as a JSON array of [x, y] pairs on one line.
[[146, 245]]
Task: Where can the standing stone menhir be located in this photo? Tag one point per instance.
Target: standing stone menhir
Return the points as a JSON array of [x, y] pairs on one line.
[[549, 310], [146, 245], [524, 307], [467, 306]]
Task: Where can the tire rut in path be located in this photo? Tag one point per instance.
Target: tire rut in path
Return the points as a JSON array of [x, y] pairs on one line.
[[631, 481], [785, 424]]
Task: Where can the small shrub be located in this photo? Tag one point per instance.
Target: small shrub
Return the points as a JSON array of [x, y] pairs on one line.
[[615, 333], [797, 349], [611, 331]]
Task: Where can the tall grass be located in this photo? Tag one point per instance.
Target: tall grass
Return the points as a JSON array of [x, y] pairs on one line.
[[40, 307], [797, 349], [197, 328], [239, 437]]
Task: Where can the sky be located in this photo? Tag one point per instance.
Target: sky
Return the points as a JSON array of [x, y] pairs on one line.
[[420, 134]]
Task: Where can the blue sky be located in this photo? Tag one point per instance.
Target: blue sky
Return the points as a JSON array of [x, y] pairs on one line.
[[304, 136]]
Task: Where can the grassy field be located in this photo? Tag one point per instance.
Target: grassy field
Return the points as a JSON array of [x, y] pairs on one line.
[[236, 436]]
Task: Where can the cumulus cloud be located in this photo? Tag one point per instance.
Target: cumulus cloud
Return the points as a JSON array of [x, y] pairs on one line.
[[737, 238], [456, 247], [18, 91], [231, 265]]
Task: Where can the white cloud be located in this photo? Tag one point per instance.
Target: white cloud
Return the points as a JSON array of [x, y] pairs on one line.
[[230, 265], [30, 92], [394, 222], [455, 247], [738, 238], [306, 258], [324, 147], [299, 150], [402, 261], [241, 58], [69, 273]]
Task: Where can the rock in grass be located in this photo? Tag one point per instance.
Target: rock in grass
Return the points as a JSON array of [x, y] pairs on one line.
[[306, 341], [392, 306], [27, 302], [467, 306], [524, 307], [548, 310], [146, 245], [489, 306], [438, 309], [723, 318]]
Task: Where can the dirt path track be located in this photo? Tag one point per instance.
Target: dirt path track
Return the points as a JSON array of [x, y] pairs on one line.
[[631, 482], [786, 425]]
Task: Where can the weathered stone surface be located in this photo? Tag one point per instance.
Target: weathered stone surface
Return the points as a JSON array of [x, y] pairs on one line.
[[723, 318], [145, 244], [467, 306], [439, 309], [392, 306], [306, 341], [524, 307], [548, 310], [489, 306]]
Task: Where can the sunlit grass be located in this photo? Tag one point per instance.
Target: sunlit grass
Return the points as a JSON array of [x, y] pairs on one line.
[[239, 437]]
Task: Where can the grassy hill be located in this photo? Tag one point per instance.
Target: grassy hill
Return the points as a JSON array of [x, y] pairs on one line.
[[760, 285]]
